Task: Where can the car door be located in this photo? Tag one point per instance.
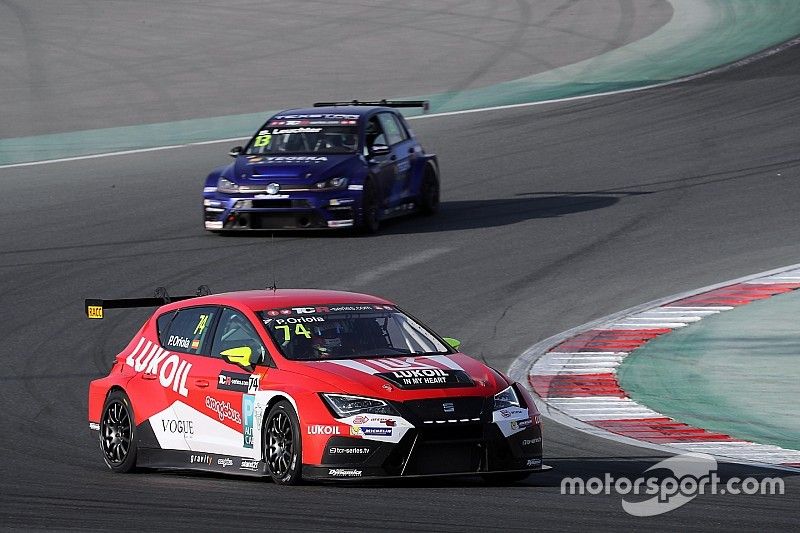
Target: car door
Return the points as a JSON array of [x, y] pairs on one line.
[[167, 370], [402, 152], [223, 391], [382, 166]]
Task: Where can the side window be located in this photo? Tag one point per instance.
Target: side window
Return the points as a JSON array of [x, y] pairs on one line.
[[189, 330], [234, 334], [374, 133], [393, 130], [162, 324]]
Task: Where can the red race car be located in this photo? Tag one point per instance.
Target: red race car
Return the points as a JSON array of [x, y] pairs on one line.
[[305, 384]]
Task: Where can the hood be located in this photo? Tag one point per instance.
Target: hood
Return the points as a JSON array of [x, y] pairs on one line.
[[405, 378], [290, 169]]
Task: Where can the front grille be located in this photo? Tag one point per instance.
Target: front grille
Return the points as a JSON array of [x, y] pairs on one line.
[[266, 220], [283, 203], [451, 433], [447, 411]]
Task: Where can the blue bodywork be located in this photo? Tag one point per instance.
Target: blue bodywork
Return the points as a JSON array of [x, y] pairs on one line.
[[294, 191]]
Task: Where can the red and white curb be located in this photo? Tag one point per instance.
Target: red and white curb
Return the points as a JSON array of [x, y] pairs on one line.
[[573, 374]]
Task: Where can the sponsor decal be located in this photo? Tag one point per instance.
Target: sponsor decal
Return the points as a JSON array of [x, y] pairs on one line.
[[344, 472], [171, 370], [277, 131], [528, 442], [338, 116], [341, 308], [184, 427], [94, 311], [200, 459], [293, 158], [94, 426], [223, 410], [248, 464], [355, 431], [533, 462], [195, 344], [233, 381], [248, 407], [384, 432], [337, 450], [225, 462], [360, 419], [422, 378], [318, 429], [448, 407], [521, 424]]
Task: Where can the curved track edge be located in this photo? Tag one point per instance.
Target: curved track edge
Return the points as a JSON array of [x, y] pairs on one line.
[[572, 375]]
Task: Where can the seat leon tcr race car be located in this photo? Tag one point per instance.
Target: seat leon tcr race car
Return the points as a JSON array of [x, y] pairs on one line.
[[337, 165], [306, 384]]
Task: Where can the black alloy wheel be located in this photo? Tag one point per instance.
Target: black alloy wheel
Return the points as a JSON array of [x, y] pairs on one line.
[[118, 433], [282, 444]]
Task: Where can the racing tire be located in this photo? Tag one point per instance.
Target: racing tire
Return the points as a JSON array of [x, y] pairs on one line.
[[505, 478], [429, 192], [283, 445], [118, 433], [370, 209]]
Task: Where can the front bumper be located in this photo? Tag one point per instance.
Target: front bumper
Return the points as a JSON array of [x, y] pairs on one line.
[[310, 210], [434, 445]]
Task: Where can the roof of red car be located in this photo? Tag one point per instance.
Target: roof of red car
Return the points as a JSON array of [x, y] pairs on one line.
[[258, 300]]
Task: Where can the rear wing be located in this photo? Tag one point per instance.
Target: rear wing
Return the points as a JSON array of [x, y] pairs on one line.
[[424, 104], [95, 307]]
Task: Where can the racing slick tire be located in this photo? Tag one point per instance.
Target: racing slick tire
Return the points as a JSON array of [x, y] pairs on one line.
[[370, 209], [504, 478], [118, 433], [283, 445], [429, 192]]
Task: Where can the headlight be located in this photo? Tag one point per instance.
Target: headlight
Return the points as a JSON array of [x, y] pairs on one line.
[[333, 183], [506, 398], [344, 405], [225, 185]]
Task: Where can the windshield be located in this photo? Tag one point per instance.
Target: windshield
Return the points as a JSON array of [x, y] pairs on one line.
[[346, 331], [314, 138]]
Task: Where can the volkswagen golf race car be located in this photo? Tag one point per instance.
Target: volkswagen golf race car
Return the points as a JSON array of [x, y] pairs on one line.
[[305, 385], [336, 165]]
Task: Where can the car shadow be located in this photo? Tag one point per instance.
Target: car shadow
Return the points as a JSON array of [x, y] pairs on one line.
[[561, 470], [455, 215]]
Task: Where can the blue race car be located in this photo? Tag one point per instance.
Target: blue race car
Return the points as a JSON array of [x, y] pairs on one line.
[[336, 165]]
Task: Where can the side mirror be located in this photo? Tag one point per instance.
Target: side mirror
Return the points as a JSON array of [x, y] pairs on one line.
[[236, 151], [454, 343], [379, 149], [240, 355]]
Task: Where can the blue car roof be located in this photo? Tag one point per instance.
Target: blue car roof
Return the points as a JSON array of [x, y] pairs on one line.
[[335, 110]]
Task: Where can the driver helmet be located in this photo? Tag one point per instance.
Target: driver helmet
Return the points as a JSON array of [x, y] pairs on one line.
[[326, 340]]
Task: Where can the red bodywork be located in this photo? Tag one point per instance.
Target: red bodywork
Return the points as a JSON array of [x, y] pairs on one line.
[[184, 379]]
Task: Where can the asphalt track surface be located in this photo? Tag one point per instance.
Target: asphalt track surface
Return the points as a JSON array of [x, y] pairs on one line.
[[551, 216]]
